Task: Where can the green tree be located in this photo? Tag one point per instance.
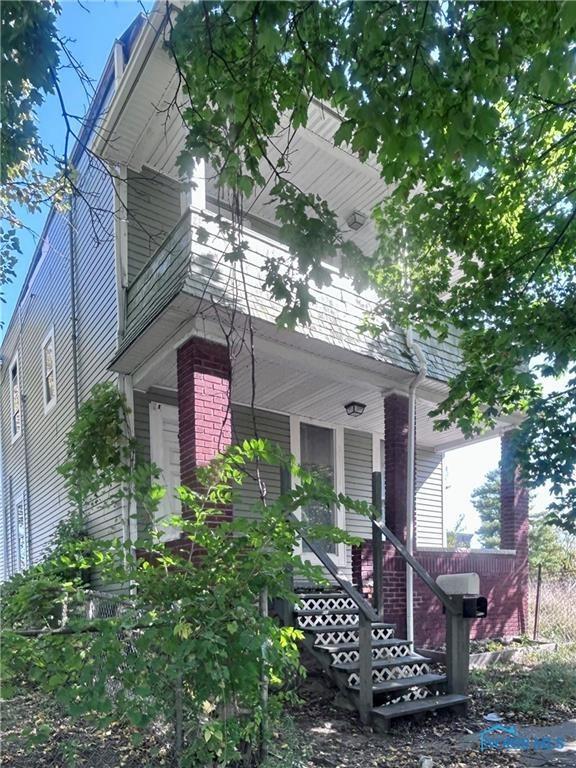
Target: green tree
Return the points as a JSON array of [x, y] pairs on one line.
[[551, 549], [452, 535], [469, 109], [548, 547], [486, 501], [190, 628], [30, 55]]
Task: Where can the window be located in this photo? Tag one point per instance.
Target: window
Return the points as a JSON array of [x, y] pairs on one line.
[[15, 399], [317, 456], [49, 372], [22, 533]]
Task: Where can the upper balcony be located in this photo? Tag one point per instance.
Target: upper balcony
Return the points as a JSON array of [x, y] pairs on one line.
[[193, 278]]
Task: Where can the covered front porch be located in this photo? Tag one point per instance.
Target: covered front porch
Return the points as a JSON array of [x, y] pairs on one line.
[[205, 389]]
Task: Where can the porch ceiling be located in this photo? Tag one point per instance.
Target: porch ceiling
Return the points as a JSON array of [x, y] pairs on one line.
[[292, 387]]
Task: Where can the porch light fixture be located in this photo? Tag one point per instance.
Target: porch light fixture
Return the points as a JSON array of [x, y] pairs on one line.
[[355, 409], [356, 220]]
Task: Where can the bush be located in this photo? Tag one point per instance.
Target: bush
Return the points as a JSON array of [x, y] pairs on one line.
[[191, 647]]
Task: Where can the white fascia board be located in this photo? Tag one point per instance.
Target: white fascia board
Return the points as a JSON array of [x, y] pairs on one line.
[[132, 73]]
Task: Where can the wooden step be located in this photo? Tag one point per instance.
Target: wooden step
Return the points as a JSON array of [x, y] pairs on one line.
[[344, 628], [320, 595], [325, 611], [399, 661], [391, 686], [382, 716], [355, 646]]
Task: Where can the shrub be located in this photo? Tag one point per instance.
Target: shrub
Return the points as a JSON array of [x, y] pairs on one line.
[[191, 646]]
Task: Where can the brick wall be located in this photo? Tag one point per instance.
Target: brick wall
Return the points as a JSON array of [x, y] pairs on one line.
[[503, 577], [395, 462], [502, 581]]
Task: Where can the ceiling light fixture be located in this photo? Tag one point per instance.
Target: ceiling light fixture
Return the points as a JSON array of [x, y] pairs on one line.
[[355, 409], [356, 220]]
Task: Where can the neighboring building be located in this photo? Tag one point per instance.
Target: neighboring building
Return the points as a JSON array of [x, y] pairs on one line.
[[123, 288]]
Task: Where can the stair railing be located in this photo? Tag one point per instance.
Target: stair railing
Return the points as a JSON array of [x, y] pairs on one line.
[[366, 615], [457, 626]]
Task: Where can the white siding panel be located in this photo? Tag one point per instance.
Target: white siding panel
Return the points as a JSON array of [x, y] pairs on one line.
[[153, 211], [429, 498], [358, 478], [47, 305], [271, 426]]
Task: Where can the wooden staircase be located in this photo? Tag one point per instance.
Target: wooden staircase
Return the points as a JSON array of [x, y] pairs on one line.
[[402, 681], [377, 671]]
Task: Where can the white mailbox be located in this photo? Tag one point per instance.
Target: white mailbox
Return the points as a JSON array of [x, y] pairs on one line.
[[459, 583]]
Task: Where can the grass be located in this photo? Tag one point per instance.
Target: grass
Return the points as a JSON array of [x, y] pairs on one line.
[[540, 687]]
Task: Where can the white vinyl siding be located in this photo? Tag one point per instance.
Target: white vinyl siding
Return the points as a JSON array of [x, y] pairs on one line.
[[358, 476], [429, 499], [47, 305], [271, 426], [154, 205], [48, 353]]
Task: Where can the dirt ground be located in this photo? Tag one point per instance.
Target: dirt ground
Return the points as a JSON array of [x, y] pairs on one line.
[[320, 732], [330, 737]]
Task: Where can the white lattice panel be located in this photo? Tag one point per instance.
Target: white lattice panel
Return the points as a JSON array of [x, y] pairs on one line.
[[412, 694], [391, 673], [339, 603], [327, 620], [350, 636], [378, 654]]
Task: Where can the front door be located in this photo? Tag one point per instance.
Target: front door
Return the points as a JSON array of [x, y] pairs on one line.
[[319, 448], [165, 452]]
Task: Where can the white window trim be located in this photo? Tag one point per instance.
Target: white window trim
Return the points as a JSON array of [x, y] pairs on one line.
[[339, 480], [15, 361], [20, 498], [49, 338]]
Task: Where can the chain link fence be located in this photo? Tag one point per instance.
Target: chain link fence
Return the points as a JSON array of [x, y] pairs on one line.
[[552, 607]]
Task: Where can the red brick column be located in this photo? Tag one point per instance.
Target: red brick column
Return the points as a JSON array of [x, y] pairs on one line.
[[203, 405], [514, 503], [395, 486], [396, 463]]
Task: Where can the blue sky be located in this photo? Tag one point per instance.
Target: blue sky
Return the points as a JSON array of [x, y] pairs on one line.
[[93, 27]]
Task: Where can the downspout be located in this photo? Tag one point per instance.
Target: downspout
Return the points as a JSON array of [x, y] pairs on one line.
[[416, 351], [73, 308], [119, 175], [24, 426]]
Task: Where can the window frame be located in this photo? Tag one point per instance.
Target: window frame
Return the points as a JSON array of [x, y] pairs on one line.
[[15, 362], [49, 339]]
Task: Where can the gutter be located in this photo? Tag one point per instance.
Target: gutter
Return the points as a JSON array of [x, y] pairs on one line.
[[416, 351]]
